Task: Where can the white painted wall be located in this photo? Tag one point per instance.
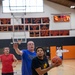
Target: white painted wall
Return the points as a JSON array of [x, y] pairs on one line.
[[49, 9]]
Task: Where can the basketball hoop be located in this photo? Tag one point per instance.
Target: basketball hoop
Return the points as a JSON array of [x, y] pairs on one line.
[[19, 41]]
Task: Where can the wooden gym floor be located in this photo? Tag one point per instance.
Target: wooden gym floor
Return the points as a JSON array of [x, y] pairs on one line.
[[67, 68]]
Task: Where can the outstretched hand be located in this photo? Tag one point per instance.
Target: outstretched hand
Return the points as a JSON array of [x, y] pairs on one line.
[[15, 45], [52, 65], [55, 64]]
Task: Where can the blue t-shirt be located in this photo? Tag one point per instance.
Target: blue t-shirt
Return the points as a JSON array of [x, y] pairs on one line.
[[27, 57]]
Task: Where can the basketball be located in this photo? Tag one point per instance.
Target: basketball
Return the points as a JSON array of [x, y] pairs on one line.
[[57, 60]]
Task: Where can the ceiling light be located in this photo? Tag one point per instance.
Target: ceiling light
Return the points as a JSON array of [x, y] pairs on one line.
[[72, 6]]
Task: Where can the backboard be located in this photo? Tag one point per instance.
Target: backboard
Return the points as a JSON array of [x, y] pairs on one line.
[[19, 37], [22, 6]]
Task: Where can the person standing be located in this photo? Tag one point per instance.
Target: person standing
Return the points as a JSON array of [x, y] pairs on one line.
[[60, 52], [27, 56], [8, 62], [40, 65]]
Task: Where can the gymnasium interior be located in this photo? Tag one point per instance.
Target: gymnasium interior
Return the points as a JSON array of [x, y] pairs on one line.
[[49, 23]]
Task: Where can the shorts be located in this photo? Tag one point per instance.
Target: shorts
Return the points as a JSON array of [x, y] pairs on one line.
[[61, 57]]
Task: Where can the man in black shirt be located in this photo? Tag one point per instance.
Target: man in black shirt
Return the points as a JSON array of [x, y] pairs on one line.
[[40, 64]]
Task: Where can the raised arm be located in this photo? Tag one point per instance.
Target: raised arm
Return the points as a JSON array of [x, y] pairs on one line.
[[17, 50], [64, 50]]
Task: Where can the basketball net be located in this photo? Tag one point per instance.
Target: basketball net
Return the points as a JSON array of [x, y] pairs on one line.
[[19, 41]]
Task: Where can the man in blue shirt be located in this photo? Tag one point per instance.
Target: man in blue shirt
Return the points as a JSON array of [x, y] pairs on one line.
[[27, 56]]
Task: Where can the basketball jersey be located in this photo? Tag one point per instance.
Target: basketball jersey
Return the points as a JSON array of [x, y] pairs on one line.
[[7, 61], [27, 57]]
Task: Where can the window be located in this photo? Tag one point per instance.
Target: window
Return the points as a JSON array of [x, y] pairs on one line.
[[17, 6]]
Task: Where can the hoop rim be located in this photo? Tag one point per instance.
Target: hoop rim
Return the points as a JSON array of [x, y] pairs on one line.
[[19, 41]]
